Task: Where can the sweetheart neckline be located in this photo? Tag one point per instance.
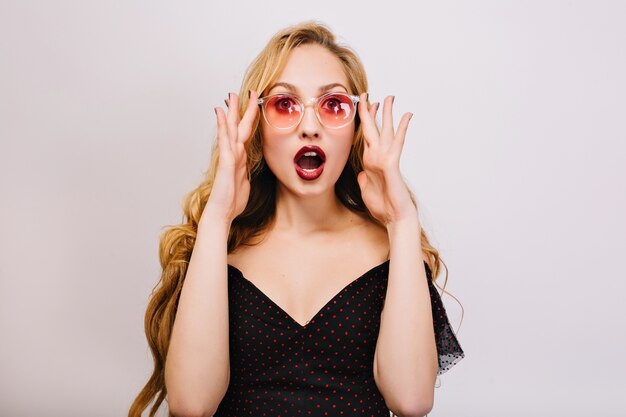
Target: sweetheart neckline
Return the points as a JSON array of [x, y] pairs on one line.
[[312, 319]]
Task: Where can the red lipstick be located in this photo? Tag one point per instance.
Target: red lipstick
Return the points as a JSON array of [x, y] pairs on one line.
[[311, 172]]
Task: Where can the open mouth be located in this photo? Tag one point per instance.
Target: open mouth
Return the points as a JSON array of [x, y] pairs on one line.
[[309, 162]]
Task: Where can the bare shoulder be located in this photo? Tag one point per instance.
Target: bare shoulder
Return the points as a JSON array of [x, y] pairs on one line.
[[377, 237]]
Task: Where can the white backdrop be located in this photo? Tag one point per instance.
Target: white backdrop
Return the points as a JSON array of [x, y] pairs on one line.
[[515, 151]]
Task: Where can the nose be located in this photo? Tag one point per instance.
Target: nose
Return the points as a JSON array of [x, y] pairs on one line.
[[309, 125]]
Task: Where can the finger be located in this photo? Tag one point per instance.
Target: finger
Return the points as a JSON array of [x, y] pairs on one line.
[[370, 131], [387, 127], [247, 121], [222, 134], [362, 104], [361, 179], [236, 107], [373, 110], [232, 115], [401, 133]]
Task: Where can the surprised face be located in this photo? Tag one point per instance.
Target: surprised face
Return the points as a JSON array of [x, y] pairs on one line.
[[308, 158]]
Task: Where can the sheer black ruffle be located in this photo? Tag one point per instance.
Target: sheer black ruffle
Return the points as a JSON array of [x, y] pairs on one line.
[[448, 348]]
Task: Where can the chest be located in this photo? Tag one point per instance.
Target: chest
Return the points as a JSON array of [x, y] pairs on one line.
[[300, 302], [345, 327], [302, 278]]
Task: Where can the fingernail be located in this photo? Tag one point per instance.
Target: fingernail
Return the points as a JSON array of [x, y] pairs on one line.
[[410, 116], [367, 97], [249, 93], [393, 98], [229, 96], [215, 109], [226, 102]]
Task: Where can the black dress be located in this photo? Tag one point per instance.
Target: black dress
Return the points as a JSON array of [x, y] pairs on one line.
[[279, 368]]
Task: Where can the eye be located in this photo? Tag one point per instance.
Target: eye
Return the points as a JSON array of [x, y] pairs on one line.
[[332, 103], [336, 103], [283, 104]]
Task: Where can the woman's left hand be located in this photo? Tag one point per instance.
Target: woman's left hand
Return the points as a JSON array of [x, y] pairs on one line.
[[383, 189]]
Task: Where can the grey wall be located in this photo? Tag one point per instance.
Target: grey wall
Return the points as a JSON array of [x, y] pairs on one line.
[[515, 152]]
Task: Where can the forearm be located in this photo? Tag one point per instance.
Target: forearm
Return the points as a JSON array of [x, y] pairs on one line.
[[197, 368], [406, 350]]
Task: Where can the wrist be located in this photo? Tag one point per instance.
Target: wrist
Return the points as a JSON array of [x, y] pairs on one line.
[[214, 217], [409, 222]]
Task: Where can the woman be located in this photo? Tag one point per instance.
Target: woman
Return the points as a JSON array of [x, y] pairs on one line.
[[271, 299]]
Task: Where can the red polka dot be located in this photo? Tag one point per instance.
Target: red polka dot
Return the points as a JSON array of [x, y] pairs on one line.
[[323, 368]]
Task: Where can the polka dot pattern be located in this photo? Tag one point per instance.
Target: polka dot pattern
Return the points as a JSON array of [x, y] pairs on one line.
[[280, 368], [449, 351]]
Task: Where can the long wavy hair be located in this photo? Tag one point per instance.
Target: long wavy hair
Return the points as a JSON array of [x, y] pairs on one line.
[[177, 242]]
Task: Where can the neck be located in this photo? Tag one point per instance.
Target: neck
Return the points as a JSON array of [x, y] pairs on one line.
[[304, 215]]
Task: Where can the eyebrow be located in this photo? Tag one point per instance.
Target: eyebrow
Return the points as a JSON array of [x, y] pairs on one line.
[[293, 88]]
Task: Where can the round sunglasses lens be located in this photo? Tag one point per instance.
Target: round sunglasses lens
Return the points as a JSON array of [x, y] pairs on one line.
[[336, 110], [282, 111]]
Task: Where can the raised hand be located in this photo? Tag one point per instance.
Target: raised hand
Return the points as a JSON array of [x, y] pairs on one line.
[[231, 187], [383, 189]]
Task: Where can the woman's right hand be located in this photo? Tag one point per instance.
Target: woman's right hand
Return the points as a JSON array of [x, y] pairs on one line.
[[231, 187]]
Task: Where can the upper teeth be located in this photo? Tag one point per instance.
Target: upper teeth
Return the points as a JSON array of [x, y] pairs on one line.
[[310, 153]]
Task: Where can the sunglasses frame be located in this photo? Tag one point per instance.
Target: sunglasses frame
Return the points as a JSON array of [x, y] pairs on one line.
[[312, 100]]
